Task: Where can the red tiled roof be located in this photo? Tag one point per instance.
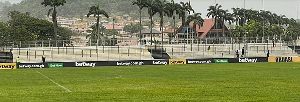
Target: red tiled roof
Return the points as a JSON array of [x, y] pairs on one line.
[[208, 24], [111, 27]]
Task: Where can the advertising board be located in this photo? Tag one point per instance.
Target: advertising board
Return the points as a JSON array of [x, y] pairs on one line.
[[32, 65], [128, 63], [55, 65], [221, 60], [281, 59], [177, 61], [8, 66], [160, 62], [253, 60], [199, 61]]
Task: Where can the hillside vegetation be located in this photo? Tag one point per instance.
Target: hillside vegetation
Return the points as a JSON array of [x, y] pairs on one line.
[[73, 8]]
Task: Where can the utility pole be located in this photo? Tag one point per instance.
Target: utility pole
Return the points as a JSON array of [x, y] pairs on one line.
[[297, 9], [244, 4]]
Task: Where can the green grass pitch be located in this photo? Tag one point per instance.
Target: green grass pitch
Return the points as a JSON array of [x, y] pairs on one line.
[[206, 82]]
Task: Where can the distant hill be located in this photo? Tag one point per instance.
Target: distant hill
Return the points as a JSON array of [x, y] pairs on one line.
[[73, 8], [4, 4]]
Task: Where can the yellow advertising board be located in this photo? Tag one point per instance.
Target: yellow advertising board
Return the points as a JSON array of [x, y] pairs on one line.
[[8, 66], [272, 59], [281, 59], [177, 61], [296, 59]]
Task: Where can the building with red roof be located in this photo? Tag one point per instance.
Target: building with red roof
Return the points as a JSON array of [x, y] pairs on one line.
[[116, 27], [208, 30]]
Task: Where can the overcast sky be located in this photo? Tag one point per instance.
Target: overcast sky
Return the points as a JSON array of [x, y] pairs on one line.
[[12, 1], [281, 7]]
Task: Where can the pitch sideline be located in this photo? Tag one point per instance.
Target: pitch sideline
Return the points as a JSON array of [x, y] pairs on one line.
[[54, 82]]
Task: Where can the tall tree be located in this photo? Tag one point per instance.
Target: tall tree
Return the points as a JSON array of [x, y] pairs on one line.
[[225, 16], [96, 11], [54, 4], [162, 11], [197, 20], [141, 4], [151, 5], [182, 11], [215, 13], [172, 8]]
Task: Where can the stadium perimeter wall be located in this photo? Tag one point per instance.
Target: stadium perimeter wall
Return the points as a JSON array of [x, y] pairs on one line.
[[147, 62]]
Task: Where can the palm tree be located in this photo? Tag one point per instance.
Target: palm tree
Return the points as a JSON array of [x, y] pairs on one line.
[[181, 11], [141, 4], [172, 8], [197, 20], [236, 15], [94, 34], [215, 12], [225, 16], [161, 9], [53, 4], [151, 11], [97, 12]]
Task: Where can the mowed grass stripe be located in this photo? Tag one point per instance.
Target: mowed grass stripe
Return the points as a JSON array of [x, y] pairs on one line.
[[207, 82]]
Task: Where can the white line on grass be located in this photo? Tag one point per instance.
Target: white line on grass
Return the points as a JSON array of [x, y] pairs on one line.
[[55, 82]]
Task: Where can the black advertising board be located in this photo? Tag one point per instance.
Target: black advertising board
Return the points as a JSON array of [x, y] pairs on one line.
[[159, 62], [32, 65], [199, 61], [86, 64], [248, 60], [138, 62], [126, 63]]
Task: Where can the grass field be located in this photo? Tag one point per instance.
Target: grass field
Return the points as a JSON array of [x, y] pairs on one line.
[[207, 82]]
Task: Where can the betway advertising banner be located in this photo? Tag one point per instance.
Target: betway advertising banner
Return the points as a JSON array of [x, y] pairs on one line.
[[248, 60], [199, 61], [85, 64]]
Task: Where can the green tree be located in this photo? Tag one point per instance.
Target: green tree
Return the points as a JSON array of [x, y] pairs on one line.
[[54, 4], [141, 4], [97, 12], [197, 20], [182, 11], [94, 33], [215, 12], [152, 10], [162, 11], [172, 8], [132, 28]]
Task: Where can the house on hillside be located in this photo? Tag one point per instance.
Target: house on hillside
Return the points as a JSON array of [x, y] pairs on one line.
[[208, 30], [116, 27]]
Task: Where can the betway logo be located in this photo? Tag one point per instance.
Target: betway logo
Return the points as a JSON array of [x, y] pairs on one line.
[[160, 62], [245, 60], [84, 64]]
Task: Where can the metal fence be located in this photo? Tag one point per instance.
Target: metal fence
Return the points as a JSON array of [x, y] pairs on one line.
[[113, 50]]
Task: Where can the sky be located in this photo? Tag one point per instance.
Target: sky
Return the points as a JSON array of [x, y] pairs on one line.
[[281, 7], [11, 1]]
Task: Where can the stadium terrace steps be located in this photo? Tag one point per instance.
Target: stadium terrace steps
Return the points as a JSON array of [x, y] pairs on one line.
[[113, 53]]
